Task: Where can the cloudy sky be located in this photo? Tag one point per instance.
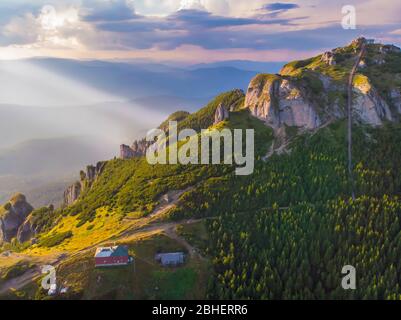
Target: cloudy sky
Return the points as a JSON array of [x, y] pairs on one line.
[[188, 30]]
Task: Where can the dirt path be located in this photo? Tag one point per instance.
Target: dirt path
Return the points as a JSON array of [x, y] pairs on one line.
[[165, 205], [172, 234], [160, 228], [173, 198], [31, 274], [148, 227], [21, 281]]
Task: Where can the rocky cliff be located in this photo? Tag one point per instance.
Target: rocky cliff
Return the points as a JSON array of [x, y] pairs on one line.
[[34, 224], [281, 101], [369, 106], [138, 149], [12, 216], [72, 193], [309, 93]]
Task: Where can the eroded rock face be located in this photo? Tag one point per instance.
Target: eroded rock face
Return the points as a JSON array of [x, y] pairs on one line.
[[13, 216], [138, 149], [279, 102], [126, 152], [295, 109], [72, 193], [221, 114], [25, 231], [369, 107], [260, 95], [32, 226], [92, 172]]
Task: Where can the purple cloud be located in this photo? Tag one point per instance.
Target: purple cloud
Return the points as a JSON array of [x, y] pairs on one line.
[[279, 6]]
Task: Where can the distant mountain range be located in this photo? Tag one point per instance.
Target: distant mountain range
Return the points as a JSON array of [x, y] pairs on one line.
[[255, 66], [43, 168], [105, 81], [104, 103]]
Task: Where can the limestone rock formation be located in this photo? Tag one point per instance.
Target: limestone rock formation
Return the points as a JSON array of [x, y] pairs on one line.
[[126, 152], [92, 172], [138, 149], [369, 107], [12, 216], [30, 228], [25, 231], [308, 94], [279, 101], [72, 193], [221, 114]]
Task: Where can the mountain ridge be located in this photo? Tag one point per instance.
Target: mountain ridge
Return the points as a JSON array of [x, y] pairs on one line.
[[294, 213]]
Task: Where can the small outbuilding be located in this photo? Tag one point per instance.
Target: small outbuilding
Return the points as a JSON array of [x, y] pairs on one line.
[[170, 259], [112, 256]]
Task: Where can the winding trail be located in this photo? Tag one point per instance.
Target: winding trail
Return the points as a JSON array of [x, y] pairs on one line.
[[149, 227], [21, 281], [30, 275]]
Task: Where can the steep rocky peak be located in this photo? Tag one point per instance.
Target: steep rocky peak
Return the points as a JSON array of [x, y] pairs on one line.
[[87, 178], [311, 92], [281, 101]]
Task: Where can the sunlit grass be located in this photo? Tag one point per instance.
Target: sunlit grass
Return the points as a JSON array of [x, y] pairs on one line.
[[106, 225]]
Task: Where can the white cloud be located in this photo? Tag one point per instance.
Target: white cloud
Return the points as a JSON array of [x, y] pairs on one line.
[[21, 30], [51, 27], [191, 4], [109, 25]]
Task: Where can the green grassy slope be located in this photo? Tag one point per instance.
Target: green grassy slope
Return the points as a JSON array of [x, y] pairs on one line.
[[283, 232]]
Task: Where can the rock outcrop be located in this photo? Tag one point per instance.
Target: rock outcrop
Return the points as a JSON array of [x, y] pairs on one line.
[[279, 101], [72, 193], [310, 93], [369, 107], [138, 149], [30, 228], [221, 114], [92, 172], [12, 216], [26, 231], [126, 152]]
